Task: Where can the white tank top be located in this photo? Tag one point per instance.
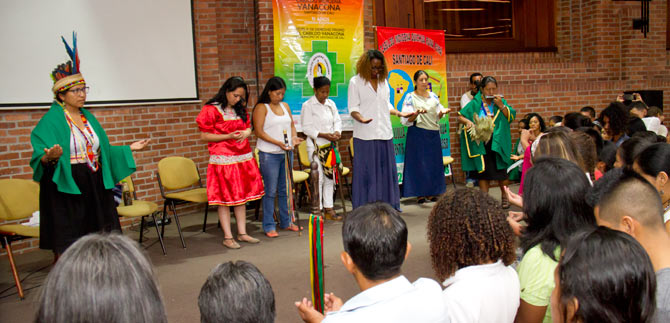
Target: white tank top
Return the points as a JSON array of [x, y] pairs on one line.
[[274, 126]]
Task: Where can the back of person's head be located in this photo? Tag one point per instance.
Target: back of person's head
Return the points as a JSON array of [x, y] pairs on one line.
[[595, 135], [631, 196], [604, 276], [466, 228], [630, 148], [639, 107], [602, 186], [236, 292], [608, 155], [589, 110], [654, 159], [574, 120], [273, 84], [554, 191], [101, 278], [654, 111], [586, 148], [375, 237], [556, 143], [617, 115], [556, 119], [649, 136]]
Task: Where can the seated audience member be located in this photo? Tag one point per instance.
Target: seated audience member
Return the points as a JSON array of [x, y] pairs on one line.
[[614, 120], [375, 246], [588, 112], [633, 206], [101, 278], [236, 292], [629, 149], [555, 207], [654, 121], [653, 164], [481, 286], [638, 110], [586, 148], [618, 288], [574, 120], [555, 121], [606, 159]]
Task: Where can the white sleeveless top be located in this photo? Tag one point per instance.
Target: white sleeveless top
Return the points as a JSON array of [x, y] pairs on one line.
[[274, 126]]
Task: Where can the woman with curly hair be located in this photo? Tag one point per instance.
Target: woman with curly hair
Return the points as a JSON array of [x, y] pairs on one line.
[[472, 248], [614, 120]]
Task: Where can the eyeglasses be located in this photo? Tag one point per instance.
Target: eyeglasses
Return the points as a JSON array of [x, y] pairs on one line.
[[80, 91]]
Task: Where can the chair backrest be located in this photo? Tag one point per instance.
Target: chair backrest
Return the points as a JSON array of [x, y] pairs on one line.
[[178, 173], [303, 157], [351, 147], [129, 180], [258, 161], [19, 198]]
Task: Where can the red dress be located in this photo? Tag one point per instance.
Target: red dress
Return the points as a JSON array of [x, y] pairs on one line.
[[233, 177]]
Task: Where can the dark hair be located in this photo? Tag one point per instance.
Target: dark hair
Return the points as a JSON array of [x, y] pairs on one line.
[[487, 80], [637, 105], [364, 65], [602, 186], [595, 135], [617, 114], [574, 120], [101, 278], [236, 292], [634, 196], [529, 116], [647, 135], [632, 147], [273, 84], [466, 228], [375, 236], [590, 110], [556, 119], [554, 191], [418, 73], [586, 148], [654, 111], [608, 154], [320, 81], [619, 285], [230, 85], [525, 123], [472, 78], [654, 159]]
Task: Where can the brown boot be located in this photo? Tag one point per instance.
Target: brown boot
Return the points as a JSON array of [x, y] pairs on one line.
[[330, 215]]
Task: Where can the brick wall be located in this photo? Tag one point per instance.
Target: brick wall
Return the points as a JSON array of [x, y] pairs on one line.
[[599, 56]]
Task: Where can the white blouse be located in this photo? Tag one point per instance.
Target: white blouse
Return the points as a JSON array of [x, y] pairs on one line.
[[319, 118], [371, 104]]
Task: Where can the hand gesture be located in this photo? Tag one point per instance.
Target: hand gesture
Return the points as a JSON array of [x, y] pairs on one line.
[[52, 153], [443, 112], [336, 136], [307, 312], [619, 98], [516, 157], [407, 114], [637, 97], [332, 303], [514, 199], [515, 215], [517, 228], [469, 124], [139, 145], [498, 101], [525, 135]]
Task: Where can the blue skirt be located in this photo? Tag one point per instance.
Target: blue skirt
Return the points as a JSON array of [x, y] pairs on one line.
[[375, 175], [424, 171]]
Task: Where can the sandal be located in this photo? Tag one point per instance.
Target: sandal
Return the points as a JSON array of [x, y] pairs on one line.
[[330, 215], [293, 228], [230, 243], [504, 201], [421, 200], [433, 198], [247, 238], [272, 234]]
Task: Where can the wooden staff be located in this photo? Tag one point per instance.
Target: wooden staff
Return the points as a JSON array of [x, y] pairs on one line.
[[293, 214]]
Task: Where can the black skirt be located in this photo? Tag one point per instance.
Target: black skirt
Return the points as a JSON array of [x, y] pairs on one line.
[[64, 218], [491, 171]]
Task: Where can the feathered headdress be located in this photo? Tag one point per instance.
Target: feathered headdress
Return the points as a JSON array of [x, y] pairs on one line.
[[67, 75]]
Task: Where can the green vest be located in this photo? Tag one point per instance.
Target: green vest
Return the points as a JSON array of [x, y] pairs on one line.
[[472, 153], [116, 162]]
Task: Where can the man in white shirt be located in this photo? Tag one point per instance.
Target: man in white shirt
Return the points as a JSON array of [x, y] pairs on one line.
[[475, 78], [375, 244]]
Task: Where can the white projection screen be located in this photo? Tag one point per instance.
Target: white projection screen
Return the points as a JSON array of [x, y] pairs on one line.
[[131, 51]]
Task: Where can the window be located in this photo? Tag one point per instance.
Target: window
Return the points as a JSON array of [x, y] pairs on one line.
[[470, 19]]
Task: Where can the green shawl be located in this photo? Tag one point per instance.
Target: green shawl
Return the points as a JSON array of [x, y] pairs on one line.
[[116, 162], [472, 154]]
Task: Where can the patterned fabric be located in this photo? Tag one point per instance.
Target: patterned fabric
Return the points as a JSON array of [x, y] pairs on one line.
[[227, 160]]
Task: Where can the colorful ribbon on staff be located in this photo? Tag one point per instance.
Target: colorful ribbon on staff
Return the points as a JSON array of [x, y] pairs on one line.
[[316, 261]]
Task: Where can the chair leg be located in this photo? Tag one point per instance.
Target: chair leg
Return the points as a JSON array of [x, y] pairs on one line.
[[164, 218], [453, 180], [141, 229], [176, 220], [160, 236], [12, 264], [344, 206], [257, 209], [204, 223]]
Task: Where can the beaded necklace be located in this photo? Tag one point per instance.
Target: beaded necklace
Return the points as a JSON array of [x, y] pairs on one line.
[[91, 160]]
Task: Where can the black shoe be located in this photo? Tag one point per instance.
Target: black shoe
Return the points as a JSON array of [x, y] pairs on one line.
[[421, 200]]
